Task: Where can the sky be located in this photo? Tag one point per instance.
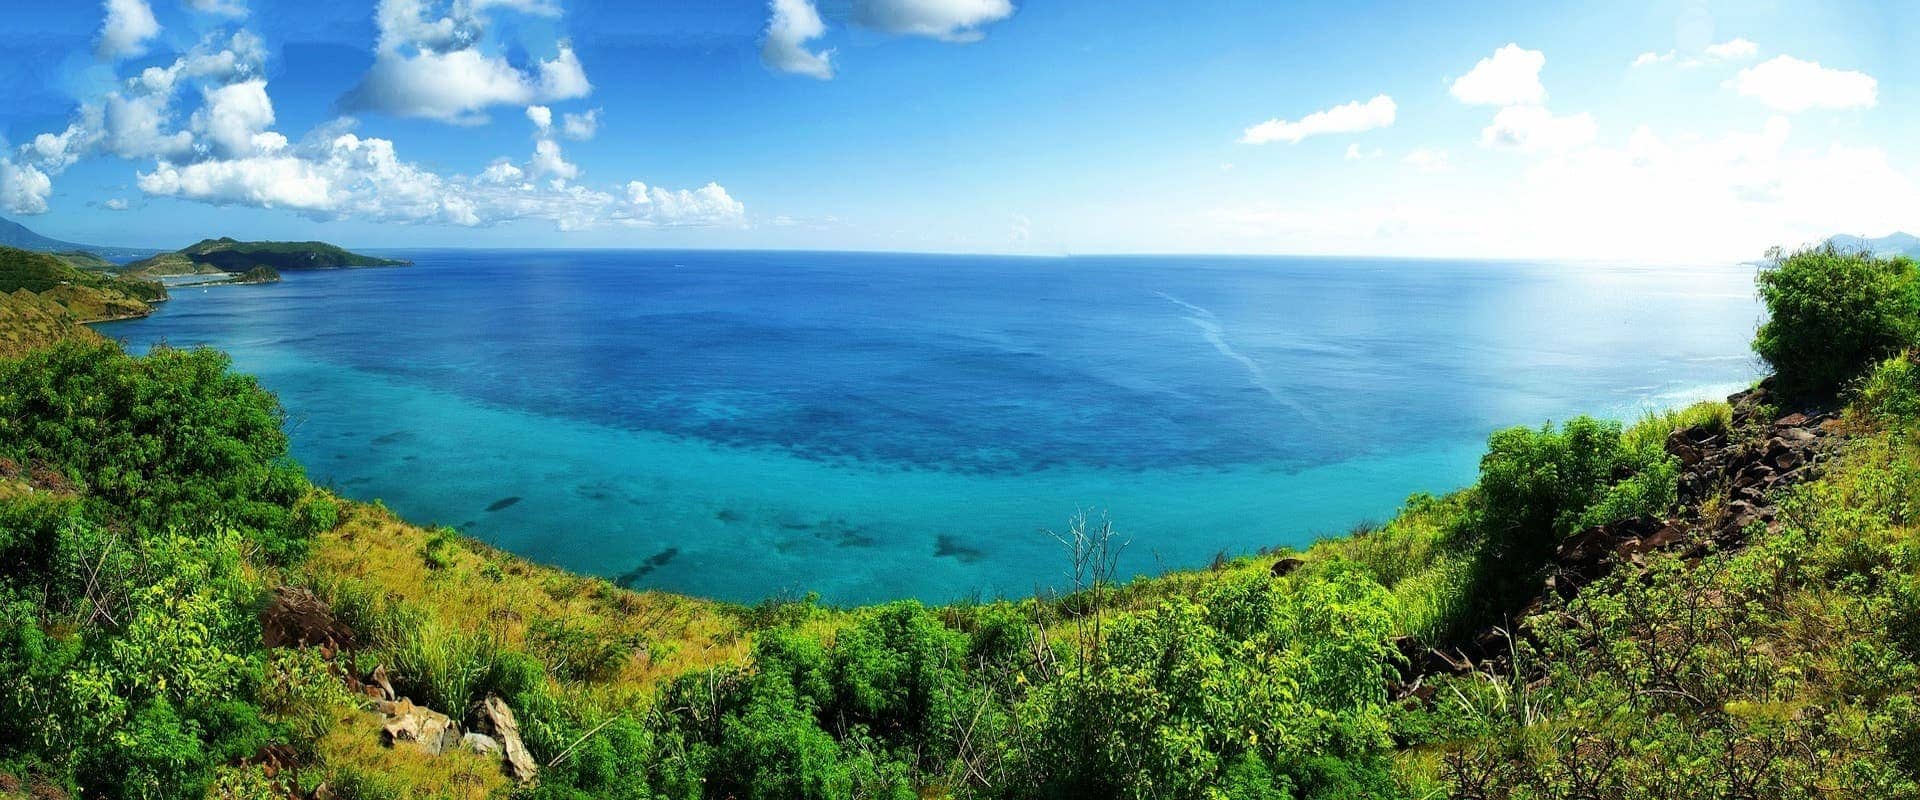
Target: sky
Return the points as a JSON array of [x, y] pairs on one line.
[[1655, 131]]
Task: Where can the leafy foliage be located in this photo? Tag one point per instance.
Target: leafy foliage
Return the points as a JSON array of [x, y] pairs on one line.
[[1832, 313]]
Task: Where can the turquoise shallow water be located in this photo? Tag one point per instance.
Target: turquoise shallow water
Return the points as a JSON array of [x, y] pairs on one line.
[[872, 426]]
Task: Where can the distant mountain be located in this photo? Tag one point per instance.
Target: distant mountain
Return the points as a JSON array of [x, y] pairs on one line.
[[211, 256], [1893, 244], [14, 234]]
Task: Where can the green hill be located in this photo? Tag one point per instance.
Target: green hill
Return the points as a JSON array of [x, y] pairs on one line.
[[40, 272], [228, 255]]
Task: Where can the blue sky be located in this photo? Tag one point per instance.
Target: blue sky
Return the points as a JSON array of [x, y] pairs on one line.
[[1658, 131]]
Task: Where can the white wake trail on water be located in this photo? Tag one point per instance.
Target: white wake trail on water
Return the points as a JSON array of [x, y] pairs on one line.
[[1216, 335]]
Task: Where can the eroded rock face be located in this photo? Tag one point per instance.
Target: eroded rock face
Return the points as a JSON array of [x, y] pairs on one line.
[[407, 724], [492, 716]]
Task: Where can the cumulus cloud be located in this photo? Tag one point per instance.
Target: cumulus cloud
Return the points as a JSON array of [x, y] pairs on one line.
[[227, 152], [946, 20], [435, 66], [1511, 76], [335, 175], [1535, 129], [225, 8], [794, 23], [1351, 117], [234, 119], [548, 162], [1785, 83], [115, 204], [128, 27], [23, 188], [1730, 50], [582, 126], [1355, 153]]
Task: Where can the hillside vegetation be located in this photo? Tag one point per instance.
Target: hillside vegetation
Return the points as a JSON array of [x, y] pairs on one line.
[[212, 256], [1721, 601], [44, 298]]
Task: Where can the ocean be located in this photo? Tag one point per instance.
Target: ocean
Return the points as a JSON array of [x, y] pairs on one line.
[[746, 425]]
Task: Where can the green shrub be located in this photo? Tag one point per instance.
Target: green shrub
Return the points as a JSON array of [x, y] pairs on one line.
[[1831, 313], [1893, 389]]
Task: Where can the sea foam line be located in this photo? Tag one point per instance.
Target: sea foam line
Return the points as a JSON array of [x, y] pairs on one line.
[[1216, 335]]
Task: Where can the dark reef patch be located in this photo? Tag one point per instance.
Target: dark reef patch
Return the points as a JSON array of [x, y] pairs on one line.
[[631, 577], [392, 438], [504, 502], [949, 546], [844, 534], [727, 515]]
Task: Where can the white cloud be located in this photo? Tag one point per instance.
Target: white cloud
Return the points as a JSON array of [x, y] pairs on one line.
[[1351, 117], [947, 20], [794, 23], [434, 67], [1733, 50], [138, 127], [228, 154], [502, 171], [1730, 50], [128, 26], [1355, 153], [582, 126], [1427, 159], [336, 175], [562, 77], [234, 119], [707, 205], [225, 8], [1535, 129], [1785, 83], [548, 162], [116, 204], [1511, 76], [23, 188]]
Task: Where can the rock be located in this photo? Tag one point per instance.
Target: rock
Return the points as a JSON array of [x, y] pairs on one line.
[[296, 617], [1754, 475], [377, 679], [1800, 437], [430, 731], [1286, 566], [492, 716], [1740, 514], [1793, 420], [480, 743]]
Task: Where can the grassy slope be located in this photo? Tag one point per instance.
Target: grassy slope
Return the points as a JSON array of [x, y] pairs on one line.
[[90, 296], [28, 320]]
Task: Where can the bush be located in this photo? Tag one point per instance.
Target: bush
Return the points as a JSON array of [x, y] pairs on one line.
[[1831, 313]]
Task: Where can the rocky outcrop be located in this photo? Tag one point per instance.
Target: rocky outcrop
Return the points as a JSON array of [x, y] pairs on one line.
[[492, 717], [1729, 482], [296, 617], [406, 724]]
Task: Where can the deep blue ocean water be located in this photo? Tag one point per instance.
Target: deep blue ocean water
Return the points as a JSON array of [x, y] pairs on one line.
[[875, 426]]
